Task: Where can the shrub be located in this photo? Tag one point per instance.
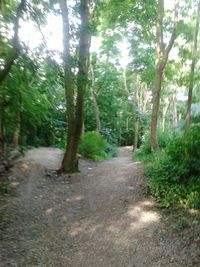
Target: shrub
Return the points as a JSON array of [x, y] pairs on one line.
[[174, 173], [164, 138], [185, 154], [145, 148], [95, 147]]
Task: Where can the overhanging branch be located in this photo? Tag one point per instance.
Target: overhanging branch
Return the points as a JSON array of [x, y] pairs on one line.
[[15, 42]]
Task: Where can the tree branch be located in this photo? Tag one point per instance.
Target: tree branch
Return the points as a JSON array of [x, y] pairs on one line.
[[173, 35], [15, 50]]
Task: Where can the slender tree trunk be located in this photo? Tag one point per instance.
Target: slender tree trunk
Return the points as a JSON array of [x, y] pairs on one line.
[[165, 108], [162, 54], [3, 139], [125, 81], [16, 133], [75, 112], [174, 108], [15, 43], [179, 117], [136, 119], [135, 141], [143, 98], [94, 100], [9, 61], [194, 59], [127, 124], [155, 109]]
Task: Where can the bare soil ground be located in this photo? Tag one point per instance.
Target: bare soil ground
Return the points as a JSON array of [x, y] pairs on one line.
[[100, 217]]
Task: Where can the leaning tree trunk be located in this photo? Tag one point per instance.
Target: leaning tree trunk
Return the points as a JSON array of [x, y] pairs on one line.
[[75, 112], [9, 61], [162, 54], [194, 59]]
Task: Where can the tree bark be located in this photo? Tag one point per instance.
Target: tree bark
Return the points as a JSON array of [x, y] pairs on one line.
[[194, 60], [162, 54], [75, 111], [69, 87]]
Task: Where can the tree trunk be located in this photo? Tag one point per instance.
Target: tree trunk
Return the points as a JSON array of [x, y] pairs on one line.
[[15, 43], [16, 133], [174, 108], [125, 81], [156, 104], [75, 112], [3, 139], [69, 157], [194, 59], [162, 54], [135, 141], [165, 108], [143, 98], [94, 100], [137, 104], [9, 61]]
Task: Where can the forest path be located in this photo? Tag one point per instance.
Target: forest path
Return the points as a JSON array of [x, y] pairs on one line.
[[97, 218]]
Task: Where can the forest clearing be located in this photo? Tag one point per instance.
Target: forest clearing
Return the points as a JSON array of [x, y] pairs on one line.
[[101, 217], [99, 133]]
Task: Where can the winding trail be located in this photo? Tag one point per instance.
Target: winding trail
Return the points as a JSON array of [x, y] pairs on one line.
[[100, 217]]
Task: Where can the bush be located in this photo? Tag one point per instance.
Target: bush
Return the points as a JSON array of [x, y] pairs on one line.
[[174, 173], [164, 138], [95, 147], [185, 154]]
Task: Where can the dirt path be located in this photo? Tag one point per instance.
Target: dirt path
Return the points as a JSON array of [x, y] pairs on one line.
[[97, 218]]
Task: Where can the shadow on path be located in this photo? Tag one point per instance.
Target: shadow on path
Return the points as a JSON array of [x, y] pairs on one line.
[[97, 218]]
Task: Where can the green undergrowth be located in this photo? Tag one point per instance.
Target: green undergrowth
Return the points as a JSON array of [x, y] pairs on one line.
[[4, 186], [93, 146], [174, 172]]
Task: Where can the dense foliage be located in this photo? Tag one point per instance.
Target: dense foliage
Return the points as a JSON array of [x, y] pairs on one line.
[[174, 172]]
